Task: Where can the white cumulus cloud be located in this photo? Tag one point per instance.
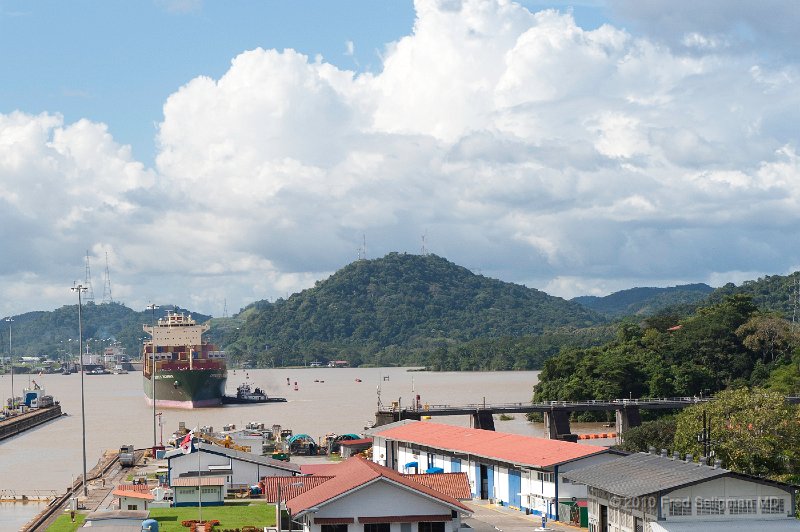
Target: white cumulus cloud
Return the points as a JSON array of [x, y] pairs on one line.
[[577, 161]]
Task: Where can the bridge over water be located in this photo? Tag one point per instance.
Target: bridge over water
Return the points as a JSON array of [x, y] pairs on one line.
[[556, 413]]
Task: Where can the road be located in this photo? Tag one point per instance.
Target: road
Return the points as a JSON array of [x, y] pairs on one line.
[[490, 518]]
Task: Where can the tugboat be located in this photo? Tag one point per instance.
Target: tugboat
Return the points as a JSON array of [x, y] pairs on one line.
[[246, 394]]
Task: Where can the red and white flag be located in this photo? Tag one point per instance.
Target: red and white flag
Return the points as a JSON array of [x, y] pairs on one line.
[[186, 443]]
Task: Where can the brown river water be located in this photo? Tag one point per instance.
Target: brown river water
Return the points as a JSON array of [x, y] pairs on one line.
[[47, 458]]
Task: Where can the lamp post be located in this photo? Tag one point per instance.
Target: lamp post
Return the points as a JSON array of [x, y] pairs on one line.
[[278, 519], [152, 308], [80, 289], [11, 359]]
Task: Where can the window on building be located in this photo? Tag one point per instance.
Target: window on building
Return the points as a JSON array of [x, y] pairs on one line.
[[710, 507], [545, 477], [638, 524], [377, 527], [773, 505], [428, 526], [741, 506], [680, 507], [334, 528], [405, 527], [133, 507]]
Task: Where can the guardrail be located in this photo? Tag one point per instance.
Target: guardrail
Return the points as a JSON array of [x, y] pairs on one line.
[[643, 402]]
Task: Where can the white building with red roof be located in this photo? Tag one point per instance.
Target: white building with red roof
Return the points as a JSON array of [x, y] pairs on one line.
[[522, 472], [358, 495], [133, 496]]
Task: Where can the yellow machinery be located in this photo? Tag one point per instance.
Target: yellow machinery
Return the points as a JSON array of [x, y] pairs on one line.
[[226, 442]]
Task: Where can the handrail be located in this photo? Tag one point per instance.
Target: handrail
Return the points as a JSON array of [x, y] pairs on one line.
[[588, 403]]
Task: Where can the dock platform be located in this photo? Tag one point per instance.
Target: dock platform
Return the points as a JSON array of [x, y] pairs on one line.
[[21, 422]]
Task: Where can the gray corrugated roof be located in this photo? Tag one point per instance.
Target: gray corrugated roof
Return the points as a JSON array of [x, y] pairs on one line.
[[249, 457], [239, 455], [641, 474]]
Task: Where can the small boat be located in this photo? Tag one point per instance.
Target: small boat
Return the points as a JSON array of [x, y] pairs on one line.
[[119, 370], [98, 371], [246, 394], [358, 380]]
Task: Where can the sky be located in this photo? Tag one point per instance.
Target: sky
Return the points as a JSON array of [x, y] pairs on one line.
[[220, 153]]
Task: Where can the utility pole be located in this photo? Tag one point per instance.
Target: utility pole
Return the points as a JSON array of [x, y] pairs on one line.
[[81, 289], [152, 307], [10, 320], [704, 437]]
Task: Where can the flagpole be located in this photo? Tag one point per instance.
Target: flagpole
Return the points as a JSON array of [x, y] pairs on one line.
[[199, 484]]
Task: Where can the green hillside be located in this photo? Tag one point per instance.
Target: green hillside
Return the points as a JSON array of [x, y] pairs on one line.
[[400, 308], [774, 293], [54, 334], [645, 301]]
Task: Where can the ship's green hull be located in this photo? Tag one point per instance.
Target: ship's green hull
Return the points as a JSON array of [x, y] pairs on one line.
[[194, 388]]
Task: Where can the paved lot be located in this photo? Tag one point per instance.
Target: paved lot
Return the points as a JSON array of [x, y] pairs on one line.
[[490, 518]]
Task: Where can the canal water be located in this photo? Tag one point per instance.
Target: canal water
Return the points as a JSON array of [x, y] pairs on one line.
[[340, 400]]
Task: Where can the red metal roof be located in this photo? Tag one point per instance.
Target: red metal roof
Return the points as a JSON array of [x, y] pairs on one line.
[[456, 485], [362, 441], [354, 473], [136, 491], [316, 469], [501, 446], [291, 487]]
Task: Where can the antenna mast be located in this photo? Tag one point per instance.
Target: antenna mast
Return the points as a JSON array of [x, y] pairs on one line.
[[362, 249], [88, 280], [107, 285], [424, 250], [795, 300], [225, 309]]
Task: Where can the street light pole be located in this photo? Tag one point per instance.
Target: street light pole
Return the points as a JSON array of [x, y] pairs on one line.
[[152, 307], [11, 359], [79, 289]]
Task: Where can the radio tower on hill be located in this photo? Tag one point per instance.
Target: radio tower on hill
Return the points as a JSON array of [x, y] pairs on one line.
[[88, 281], [107, 285]]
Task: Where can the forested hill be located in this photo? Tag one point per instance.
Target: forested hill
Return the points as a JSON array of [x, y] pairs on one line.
[[400, 300], [645, 301], [55, 333], [773, 293]]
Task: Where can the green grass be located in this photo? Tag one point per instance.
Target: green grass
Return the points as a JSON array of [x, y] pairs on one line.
[[231, 515], [132, 476], [64, 524]]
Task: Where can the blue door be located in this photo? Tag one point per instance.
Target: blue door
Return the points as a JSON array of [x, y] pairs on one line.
[[455, 465], [514, 488], [490, 482]]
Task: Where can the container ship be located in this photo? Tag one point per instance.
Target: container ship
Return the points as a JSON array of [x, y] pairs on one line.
[[189, 372]]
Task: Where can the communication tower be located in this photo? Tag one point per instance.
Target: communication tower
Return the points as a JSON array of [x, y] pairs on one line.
[[107, 285], [88, 281]]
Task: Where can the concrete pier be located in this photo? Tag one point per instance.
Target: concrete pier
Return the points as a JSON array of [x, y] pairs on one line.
[[556, 423], [483, 419], [32, 418], [627, 418]]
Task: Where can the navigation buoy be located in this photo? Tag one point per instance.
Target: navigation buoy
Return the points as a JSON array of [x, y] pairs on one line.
[[295, 386]]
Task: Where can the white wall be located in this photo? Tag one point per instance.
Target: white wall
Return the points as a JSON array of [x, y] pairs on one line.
[[242, 472], [729, 488], [184, 494], [383, 498], [140, 504]]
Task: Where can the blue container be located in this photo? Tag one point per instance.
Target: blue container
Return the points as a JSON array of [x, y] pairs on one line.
[[150, 525]]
